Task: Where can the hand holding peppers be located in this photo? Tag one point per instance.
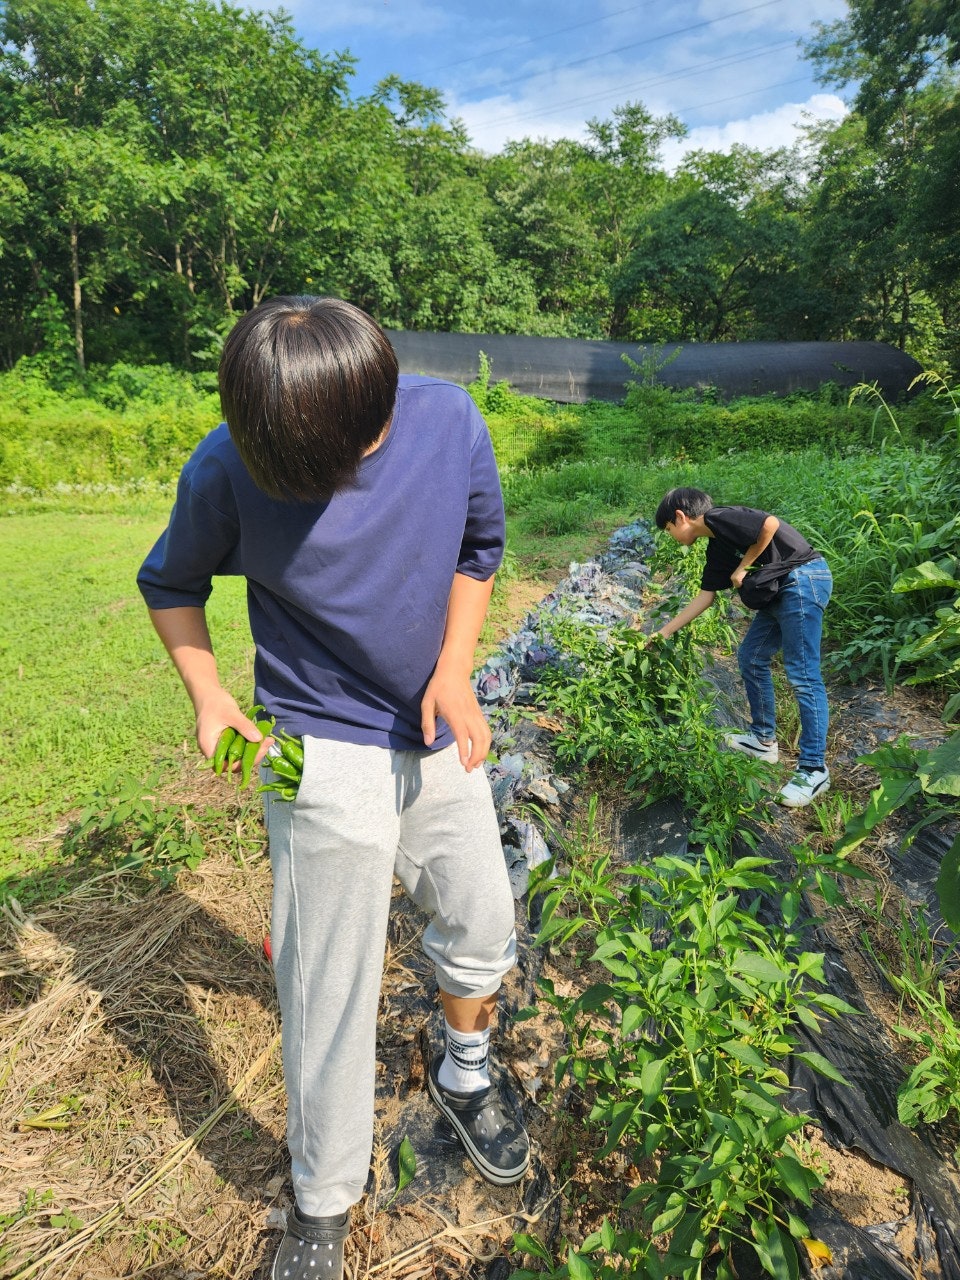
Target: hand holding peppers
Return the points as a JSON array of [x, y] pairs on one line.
[[236, 754]]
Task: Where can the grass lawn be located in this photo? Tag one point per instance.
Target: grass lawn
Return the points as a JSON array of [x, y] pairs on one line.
[[87, 688]]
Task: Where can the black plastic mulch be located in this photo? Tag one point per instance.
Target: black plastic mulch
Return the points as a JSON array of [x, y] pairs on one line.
[[860, 1116]]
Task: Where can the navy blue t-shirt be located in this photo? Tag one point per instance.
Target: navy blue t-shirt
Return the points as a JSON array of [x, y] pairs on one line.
[[347, 598]]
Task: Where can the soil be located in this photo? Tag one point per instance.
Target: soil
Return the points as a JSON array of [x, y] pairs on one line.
[[142, 1111]]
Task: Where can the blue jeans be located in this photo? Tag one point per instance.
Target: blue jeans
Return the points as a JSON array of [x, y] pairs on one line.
[[793, 623]]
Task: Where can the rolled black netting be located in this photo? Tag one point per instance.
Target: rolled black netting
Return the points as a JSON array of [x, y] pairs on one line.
[[572, 371]]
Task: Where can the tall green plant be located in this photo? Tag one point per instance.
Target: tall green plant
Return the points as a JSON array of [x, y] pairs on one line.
[[640, 711], [680, 1050], [925, 780]]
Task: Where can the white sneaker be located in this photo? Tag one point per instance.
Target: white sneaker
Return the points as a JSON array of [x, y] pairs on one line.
[[752, 746], [804, 786]]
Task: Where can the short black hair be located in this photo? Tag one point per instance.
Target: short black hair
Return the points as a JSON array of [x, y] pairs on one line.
[[692, 502], [307, 385]]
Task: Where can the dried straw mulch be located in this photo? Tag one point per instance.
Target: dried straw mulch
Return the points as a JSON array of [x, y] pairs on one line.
[[142, 1108]]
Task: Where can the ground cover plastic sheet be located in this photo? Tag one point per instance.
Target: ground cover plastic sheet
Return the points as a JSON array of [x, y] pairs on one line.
[[861, 1116], [572, 371]]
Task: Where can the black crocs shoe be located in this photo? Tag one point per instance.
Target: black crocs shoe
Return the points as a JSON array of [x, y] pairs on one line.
[[311, 1250], [492, 1135]]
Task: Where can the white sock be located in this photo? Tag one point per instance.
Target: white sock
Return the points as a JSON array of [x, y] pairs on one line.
[[465, 1068]]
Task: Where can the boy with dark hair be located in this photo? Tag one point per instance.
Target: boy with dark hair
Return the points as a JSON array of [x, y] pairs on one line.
[[791, 584], [365, 513]]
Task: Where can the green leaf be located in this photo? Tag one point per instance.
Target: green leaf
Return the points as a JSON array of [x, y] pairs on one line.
[[685, 1236], [633, 1016], [940, 772], [526, 1243], [667, 1220], [578, 1268], [775, 1250], [948, 886], [834, 1004], [652, 1079], [753, 965], [707, 1172], [794, 1177], [623, 1113], [923, 577], [407, 1164], [744, 1053], [822, 1066], [893, 792]]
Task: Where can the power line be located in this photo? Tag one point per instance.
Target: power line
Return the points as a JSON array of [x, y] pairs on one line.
[[749, 93], [557, 31], [695, 69], [781, 84], [637, 44]]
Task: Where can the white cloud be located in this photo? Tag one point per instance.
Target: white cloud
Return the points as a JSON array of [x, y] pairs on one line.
[[765, 131], [783, 14], [494, 121]]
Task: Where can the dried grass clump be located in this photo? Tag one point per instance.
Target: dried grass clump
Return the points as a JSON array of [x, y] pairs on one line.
[[142, 1108], [142, 1111]]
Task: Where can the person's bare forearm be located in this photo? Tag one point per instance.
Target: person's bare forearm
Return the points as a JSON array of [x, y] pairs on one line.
[[450, 693], [699, 604], [466, 611], [186, 638], [755, 550]]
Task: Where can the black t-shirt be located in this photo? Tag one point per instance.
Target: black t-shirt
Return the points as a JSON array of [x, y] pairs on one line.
[[736, 528]]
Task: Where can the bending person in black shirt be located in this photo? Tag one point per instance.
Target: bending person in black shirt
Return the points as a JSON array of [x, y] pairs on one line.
[[788, 583]]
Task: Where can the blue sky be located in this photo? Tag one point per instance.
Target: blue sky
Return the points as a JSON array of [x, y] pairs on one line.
[[732, 70]]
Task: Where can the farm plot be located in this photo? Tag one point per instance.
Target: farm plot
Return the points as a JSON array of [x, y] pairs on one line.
[[142, 1113]]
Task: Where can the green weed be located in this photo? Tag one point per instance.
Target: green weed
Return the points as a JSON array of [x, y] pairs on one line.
[[124, 823], [926, 780], [932, 1090]]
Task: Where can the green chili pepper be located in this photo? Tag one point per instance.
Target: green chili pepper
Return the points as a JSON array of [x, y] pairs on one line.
[[223, 744], [235, 750], [285, 790], [246, 761], [280, 787], [292, 749], [283, 768]]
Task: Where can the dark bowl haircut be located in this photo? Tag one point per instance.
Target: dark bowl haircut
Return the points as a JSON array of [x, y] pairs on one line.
[[307, 385], [692, 502]]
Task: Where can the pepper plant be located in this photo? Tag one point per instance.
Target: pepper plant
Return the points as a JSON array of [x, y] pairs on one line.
[[681, 1048], [639, 710]]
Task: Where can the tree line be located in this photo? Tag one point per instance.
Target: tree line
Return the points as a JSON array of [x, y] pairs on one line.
[[165, 164]]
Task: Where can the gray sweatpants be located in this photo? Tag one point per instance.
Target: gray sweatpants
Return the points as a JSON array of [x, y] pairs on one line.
[[362, 815]]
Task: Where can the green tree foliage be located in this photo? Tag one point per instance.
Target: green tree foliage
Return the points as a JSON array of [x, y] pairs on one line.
[[175, 156], [904, 58], [166, 164], [542, 219], [717, 257]]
